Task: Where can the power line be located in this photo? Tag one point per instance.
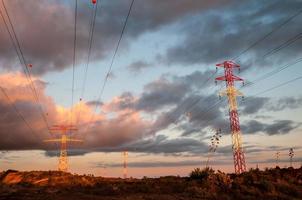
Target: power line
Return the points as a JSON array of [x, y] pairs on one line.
[[273, 72], [262, 92], [267, 75], [268, 34], [90, 40], [277, 86], [284, 45], [17, 47], [91, 34], [17, 111], [287, 43], [111, 63], [257, 80], [74, 57], [190, 106]]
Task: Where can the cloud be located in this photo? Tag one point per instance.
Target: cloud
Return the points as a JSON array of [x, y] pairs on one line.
[[253, 105], [46, 35], [163, 164], [122, 122], [286, 103], [212, 37], [101, 130], [138, 66], [277, 127]]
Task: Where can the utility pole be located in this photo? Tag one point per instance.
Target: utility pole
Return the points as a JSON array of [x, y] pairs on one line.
[[214, 145], [277, 158], [291, 155], [125, 171], [63, 129], [232, 93]]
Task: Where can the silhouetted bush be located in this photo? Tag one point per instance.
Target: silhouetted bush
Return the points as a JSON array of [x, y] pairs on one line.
[[197, 173]]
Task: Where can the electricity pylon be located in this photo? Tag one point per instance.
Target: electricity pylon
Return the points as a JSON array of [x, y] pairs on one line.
[[215, 139], [125, 171], [232, 93], [291, 155], [277, 158], [63, 129]]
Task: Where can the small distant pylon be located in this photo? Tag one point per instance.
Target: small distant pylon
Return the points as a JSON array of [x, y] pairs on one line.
[[125, 170], [277, 158], [215, 139], [291, 155], [232, 93], [63, 129]]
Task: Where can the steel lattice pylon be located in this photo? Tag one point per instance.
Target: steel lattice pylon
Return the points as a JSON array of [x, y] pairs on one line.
[[125, 171], [63, 160], [232, 93]]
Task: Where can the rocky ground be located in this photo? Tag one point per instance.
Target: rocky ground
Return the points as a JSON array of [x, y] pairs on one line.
[[202, 184]]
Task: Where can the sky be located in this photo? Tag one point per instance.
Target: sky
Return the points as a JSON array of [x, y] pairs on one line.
[[157, 97]]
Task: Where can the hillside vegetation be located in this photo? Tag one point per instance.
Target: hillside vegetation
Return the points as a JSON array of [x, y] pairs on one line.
[[201, 184]]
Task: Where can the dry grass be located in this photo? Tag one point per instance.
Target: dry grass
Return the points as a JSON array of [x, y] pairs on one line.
[[203, 184]]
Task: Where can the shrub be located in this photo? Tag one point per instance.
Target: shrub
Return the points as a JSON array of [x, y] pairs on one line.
[[197, 173]]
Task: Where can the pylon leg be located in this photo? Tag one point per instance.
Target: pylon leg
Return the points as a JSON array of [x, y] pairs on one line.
[[63, 162]]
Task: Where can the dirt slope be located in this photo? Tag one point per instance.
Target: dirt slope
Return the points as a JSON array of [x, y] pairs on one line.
[[255, 184]]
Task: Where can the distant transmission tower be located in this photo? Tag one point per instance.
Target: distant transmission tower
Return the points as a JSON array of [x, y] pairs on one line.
[[291, 155], [63, 129], [232, 93], [215, 139], [277, 158], [125, 171]]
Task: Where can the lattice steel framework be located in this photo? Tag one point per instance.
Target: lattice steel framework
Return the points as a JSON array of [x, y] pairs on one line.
[[125, 170], [63, 129], [232, 93]]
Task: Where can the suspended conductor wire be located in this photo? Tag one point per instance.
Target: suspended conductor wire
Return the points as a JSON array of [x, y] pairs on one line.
[[90, 40], [17, 47], [74, 57], [268, 34], [273, 72], [111, 64], [284, 45], [278, 86], [258, 80], [17, 111], [91, 34], [271, 52]]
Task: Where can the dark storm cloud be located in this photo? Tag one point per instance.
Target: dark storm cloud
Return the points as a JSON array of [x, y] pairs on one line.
[[171, 90], [277, 127], [214, 36], [138, 66], [167, 146], [46, 29], [253, 105], [161, 93], [164, 164], [286, 103], [157, 145], [46, 35], [13, 130], [94, 103], [280, 127]]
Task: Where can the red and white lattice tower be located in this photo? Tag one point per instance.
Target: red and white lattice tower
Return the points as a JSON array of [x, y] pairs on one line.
[[232, 93]]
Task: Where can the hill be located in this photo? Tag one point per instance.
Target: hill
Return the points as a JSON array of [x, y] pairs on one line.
[[202, 184]]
